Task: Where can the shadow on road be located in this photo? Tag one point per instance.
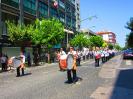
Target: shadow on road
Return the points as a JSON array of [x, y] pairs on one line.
[[26, 74], [123, 87]]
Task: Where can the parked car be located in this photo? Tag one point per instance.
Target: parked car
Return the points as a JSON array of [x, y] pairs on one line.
[[128, 54]]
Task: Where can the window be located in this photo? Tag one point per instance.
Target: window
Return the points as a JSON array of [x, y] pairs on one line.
[[43, 9], [73, 1], [62, 17], [61, 3], [53, 12], [29, 6], [73, 23], [68, 21]]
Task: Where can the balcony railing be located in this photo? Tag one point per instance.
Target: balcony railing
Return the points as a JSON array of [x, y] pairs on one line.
[[13, 3]]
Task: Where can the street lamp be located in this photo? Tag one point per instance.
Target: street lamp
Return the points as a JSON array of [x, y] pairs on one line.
[[89, 18]]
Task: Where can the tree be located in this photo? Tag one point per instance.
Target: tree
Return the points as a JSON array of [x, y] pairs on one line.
[[80, 40], [104, 45], [19, 34], [96, 41], [130, 24], [110, 46], [47, 32], [129, 39], [117, 47]]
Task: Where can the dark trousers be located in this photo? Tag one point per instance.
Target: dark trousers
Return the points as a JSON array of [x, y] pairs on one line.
[[103, 59], [97, 62], [29, 63], [91, 56], [84, 58], [4, 66], [87, 56], [69, 76], [106, 59], [18, 71], [78, 61]]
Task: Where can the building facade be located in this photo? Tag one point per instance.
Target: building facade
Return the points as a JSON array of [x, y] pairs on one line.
[[78, 21], [108, 36], [88, 32], [26, 11]]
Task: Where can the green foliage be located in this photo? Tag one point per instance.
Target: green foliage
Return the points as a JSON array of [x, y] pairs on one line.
[[80, 40], [18, 33], [104, 44], [47, 32], [130, 24], [110, 46], [96, 41], [129, 38], [117, 47]]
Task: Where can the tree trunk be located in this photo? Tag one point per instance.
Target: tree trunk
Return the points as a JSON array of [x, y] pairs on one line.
[[49, 58], [36, 55]]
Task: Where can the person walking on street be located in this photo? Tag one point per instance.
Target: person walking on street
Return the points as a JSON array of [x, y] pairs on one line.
[[71, 66], [103, 55], [97, 57], [78, 58], [62, 60], [22, 59], [106, 55]]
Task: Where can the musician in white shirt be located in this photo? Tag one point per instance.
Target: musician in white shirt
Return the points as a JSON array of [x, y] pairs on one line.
[[22, 59]]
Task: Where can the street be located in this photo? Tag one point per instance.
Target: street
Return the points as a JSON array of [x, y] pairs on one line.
[[112, 80]]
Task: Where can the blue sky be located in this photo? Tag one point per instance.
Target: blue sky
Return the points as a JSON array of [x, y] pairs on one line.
[[112, 15]]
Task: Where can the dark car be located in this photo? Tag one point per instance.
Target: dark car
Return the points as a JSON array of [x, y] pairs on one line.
[[128, 54]]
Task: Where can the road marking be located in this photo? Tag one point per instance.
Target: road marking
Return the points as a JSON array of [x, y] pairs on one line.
[[102, 93], [128, 62]]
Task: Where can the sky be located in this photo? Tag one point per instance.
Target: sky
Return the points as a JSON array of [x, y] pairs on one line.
[[111, 15]]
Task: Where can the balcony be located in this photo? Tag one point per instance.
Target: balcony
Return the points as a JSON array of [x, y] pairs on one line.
[[13, 3]]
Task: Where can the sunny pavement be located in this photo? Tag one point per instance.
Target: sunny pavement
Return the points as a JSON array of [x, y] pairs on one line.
[[118, 80], [47, 82]]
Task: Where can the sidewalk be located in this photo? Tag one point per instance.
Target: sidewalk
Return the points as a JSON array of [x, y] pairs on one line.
[[112, 89]]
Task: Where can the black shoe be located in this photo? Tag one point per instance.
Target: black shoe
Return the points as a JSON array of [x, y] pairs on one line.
[[69, 82], [18, 76]]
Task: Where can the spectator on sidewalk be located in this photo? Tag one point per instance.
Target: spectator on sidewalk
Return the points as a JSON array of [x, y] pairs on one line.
[[29, 59], [3, 61]]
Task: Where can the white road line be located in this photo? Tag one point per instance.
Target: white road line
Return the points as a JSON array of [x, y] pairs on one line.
[[128, 62]]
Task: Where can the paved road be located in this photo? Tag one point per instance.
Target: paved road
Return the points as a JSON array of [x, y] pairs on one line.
[[48, 82]]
